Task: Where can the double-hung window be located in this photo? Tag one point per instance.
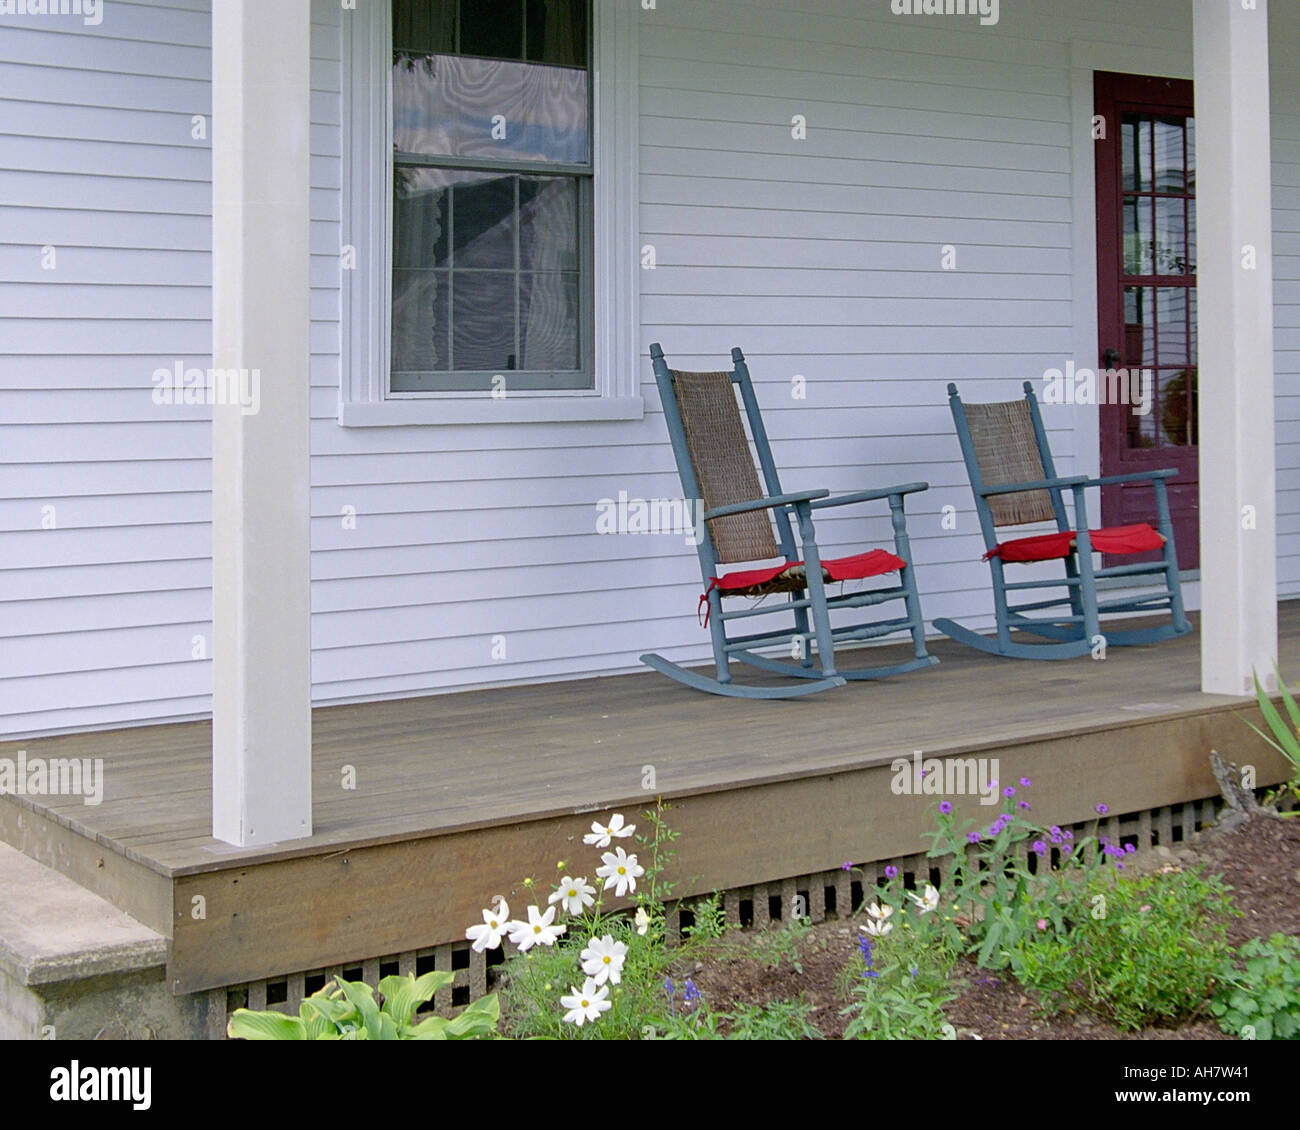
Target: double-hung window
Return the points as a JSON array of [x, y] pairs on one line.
[[492, 195], [490, 247]]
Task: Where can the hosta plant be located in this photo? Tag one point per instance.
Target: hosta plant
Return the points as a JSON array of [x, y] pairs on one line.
[[352, 1010]]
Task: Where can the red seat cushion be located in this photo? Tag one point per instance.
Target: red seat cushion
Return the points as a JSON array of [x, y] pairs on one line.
[[1139, 538], [870, 564]]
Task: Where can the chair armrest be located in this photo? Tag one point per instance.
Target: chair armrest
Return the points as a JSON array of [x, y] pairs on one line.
[[1133, 477], [870, 495], [789, 499], [1039, 484]]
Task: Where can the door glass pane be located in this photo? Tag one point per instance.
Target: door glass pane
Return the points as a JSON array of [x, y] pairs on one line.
[[1135, 146], [1139, 327], [1171, 236], [1137, 235], [449, 105], [420, 323], [1191, 237], [1191, 154], [1169, 155], [1171, 310], [548, 320], [1175, 396], [483, 321]]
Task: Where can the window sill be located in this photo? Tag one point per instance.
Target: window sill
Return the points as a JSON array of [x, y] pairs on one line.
[[518, 408]]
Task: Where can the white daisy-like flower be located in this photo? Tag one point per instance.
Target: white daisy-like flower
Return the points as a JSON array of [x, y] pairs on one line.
[[880, 913], [573, 895], [877, 927], [538, 930], [642, 921], [620, 871], [495, 923], [927, 902], [600, 836], [603, 958], [586, 1003]]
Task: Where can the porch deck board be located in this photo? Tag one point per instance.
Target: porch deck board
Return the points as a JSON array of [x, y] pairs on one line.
[[458, 762]]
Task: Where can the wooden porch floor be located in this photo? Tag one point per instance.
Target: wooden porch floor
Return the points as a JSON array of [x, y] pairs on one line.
[[458, 796]]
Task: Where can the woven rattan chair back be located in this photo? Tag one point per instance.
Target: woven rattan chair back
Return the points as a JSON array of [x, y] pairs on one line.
[[1006, 451], [724, 466]]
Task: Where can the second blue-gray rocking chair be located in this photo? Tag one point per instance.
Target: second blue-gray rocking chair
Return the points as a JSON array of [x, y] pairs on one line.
[[717, 473], [1015, 482]]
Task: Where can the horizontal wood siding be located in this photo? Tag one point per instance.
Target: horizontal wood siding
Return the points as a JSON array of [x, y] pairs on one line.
[[473, 558]]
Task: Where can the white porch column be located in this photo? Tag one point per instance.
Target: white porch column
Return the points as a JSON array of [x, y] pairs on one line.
[[261, 727], [1235, 333]]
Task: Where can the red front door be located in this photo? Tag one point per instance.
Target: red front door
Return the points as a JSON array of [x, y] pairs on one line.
[[1146, 293]]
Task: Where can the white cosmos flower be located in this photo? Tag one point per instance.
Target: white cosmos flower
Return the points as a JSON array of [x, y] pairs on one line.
[[495, 923], [880, 913], [573, 895], [600, 836], [536, 931], [603, 958], [876, 927], [642, 920], [586, 1003], [928, 902], [620, 871]]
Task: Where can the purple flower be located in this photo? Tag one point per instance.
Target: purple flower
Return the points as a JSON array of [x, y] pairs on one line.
[[1119, 867], [692, 994], [1102, 810], [847, 865], [1067, 835], [972, 837], [1055, 829], [1010, 790], [891, 872], [864, 948], [1026, 782], [945, 806], [1022, 804], [669, 988], [1040, 848], [1129, 849]]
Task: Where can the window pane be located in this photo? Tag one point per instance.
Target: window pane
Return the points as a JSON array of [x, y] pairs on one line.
[[483, 222], [557, 31], [424, 27], [1172, 312], [548, 229], [421, 223], [420, 322], [493, 28], [1135, 147], [1176, 406], [548, 314], [1139, 335], [483, 321], [445, 105]]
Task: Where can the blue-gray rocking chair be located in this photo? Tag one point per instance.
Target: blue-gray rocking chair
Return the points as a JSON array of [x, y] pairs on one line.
[[717, 473], [1015, 483]]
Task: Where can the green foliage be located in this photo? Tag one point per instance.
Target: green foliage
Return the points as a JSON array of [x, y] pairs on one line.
[[898, 989], [1263, 1000], [1285, 735], [1134, 950], [351, 1010], [710, 919], [780, 1020], [779, 944]]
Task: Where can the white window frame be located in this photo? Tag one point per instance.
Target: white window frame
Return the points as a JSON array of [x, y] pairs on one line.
[[366, 256]]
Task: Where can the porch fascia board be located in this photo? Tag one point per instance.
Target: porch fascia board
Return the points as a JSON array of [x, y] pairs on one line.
[[1238, 507], [261, 670]]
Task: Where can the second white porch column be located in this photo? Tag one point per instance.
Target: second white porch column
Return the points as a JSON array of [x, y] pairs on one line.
[[1235, 344], [261, 725]]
